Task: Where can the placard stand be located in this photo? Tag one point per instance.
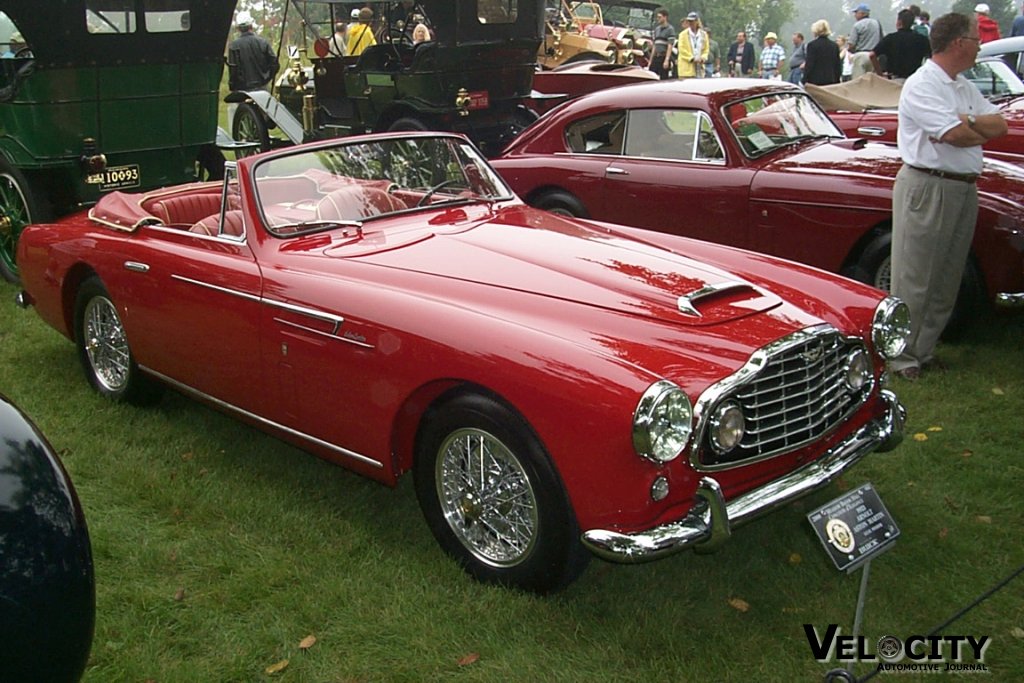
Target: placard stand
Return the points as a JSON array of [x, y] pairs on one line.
[[853, 529]]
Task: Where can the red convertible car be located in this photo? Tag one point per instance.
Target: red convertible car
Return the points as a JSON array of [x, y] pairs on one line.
[[866, 106], [754, 164], [555, 385]]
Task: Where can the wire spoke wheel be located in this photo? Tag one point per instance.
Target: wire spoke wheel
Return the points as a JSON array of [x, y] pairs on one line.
[[14, 215], [105, 344], [250, 126], [486, 497]]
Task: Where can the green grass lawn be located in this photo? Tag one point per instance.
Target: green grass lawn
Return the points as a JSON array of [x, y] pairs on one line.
[[219, 549]]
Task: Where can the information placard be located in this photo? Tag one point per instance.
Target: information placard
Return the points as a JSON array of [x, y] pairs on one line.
[[854, 527]]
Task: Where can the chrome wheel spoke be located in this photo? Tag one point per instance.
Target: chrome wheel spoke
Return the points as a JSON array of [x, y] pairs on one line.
[[486, 497], [105, 344]]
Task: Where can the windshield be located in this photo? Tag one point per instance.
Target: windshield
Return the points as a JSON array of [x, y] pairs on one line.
[[994, 79], [348, 184], [765, 123]]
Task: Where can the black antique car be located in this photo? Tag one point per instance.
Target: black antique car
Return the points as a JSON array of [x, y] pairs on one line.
[[99, 95], [472, 76], [47, 590]]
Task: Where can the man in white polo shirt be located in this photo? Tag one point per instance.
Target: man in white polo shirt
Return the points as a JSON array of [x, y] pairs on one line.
[[943, 122]]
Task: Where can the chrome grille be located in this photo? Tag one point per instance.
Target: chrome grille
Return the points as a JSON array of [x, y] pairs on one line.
[[796, 396]]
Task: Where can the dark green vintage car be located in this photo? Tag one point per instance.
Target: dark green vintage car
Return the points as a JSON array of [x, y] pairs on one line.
[[472, 75], [98, 95]]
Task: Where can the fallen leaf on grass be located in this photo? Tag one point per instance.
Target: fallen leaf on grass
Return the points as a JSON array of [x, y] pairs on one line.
[[984, 519], [967, 453], [186, 456], [794, 558], [934, 429], [277, 668], [949, 503], [739, 604], [997, 391], [471, 658], [307, 642], [920, 436], [179, 595], [1017, 632], [943, 532]]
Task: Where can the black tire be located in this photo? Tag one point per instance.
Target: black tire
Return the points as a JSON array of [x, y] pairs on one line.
[[103, 348], [522, 496], [561, 203], [409, 124], [874, 268], [249, 125], [21, 203]]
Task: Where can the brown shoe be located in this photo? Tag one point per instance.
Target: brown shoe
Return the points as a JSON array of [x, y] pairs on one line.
[[911, 374]]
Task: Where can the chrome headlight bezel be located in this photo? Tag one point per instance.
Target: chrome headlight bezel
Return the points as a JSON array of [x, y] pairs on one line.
[[719, 422], [890, 327], [857, 370], [662, 422]]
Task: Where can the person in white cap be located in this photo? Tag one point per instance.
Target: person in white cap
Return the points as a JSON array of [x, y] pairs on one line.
[[693, 48], [772, 57], [252, 63], [988, 29]]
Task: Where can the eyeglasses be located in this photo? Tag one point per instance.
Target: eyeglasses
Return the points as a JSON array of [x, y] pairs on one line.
[[977, 40]]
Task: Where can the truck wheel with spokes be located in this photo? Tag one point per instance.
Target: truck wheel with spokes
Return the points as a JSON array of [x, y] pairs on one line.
[[20, 205]]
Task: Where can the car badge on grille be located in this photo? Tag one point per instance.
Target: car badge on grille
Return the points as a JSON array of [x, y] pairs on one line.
[[688, 302], [813, 355]]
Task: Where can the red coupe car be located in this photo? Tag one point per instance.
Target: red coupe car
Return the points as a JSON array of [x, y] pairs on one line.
[[749, 163], [866, 106], [554, 385]]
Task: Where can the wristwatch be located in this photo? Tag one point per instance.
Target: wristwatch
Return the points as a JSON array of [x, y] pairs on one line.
[[971, 120]]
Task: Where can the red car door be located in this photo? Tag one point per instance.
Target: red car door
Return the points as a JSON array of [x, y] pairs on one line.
[[673, 176]]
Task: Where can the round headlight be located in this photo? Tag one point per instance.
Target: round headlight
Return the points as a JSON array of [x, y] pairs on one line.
[[662, 422], [890, 328], [858, 370], [727, 427]]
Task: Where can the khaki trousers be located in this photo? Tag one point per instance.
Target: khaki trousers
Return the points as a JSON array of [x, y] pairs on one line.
[[932, 226]]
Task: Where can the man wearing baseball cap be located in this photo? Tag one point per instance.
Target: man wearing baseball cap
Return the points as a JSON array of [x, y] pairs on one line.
[[864, 38], [252, 63], [988, 29]]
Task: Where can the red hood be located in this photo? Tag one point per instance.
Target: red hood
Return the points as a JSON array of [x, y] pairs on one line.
[[526, 250]]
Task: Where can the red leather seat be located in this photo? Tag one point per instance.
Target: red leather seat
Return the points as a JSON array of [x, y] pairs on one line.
[[354, 202], [212, 226], [186, 208]]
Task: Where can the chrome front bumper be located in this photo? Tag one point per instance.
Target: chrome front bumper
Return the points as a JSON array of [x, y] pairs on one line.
[[1010, 299], [711, 520]]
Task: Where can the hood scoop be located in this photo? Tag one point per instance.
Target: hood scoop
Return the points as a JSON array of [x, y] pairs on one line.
[[687, 303]]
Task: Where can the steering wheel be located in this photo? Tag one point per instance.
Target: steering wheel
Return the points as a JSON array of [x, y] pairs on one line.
[[24, 52], [431, 191]]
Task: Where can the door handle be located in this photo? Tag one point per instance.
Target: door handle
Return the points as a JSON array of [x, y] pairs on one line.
[[615, 170], [873, 131], [136, 267]]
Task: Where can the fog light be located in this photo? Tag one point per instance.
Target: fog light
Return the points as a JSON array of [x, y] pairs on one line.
[[659, 489], [858, 370], [727, 427]]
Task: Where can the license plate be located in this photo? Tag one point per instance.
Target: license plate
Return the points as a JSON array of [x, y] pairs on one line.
[[115, 178], [479, 99]]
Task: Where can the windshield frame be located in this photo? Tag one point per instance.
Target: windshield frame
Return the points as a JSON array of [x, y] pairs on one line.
[[370, 178], [758, 143]]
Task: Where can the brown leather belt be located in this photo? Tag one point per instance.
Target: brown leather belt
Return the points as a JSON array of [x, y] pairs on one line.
[[947, 175]]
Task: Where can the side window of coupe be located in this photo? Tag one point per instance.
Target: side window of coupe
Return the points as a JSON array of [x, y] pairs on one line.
[[601, 134], [110, 16], [675, 134]]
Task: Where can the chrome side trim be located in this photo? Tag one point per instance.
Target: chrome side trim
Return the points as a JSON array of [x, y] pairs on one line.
[[262, 420], [711, 519], [331, 318], [22, 299], [1010, 299], [136, 266]]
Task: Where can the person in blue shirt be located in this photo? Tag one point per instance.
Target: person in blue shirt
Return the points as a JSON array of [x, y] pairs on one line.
[[1018, 24]]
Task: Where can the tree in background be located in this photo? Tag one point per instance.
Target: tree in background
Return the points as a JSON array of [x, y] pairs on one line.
[[726, 17]]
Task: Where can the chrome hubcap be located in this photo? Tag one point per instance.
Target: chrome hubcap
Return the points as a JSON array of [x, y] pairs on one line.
[[105, 344], [486, 497]]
